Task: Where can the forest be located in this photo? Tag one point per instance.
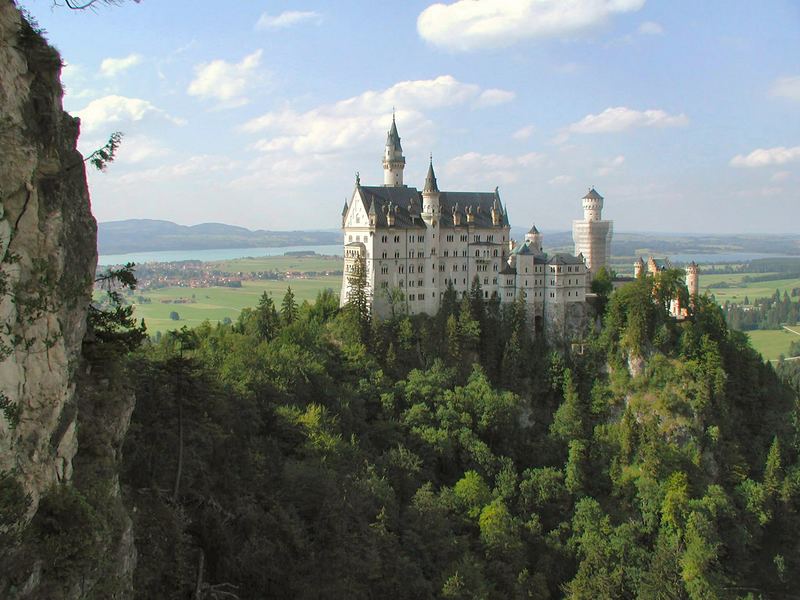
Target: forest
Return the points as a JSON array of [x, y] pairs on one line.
[[307, 451]]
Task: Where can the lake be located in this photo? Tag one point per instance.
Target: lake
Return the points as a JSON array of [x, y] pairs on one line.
[[211, 255], [336, 250]]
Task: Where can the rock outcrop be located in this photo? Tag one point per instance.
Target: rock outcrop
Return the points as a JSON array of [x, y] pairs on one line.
[[47, 263]]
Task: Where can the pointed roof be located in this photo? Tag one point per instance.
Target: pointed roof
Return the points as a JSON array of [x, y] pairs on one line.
[[393, 139], [344, 210], [533, 230], [592, 195], [430, 180]]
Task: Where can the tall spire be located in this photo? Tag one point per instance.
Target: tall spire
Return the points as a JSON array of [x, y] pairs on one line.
[[393, 160], [430, 179], [393, 138]]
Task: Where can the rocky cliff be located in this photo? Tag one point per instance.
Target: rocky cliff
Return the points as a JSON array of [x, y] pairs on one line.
[[47, 262]]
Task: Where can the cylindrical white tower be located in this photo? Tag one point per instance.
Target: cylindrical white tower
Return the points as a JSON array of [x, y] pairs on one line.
[[638, 267], [592, 206], [393, 160], [692, 279]]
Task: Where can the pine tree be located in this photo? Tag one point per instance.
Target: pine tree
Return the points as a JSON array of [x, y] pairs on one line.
[[267, 320], [289, 307], [357, 299]]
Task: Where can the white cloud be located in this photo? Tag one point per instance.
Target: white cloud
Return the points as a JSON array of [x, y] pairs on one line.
[[468, 24], [110, 67], [620, 118], [650, 28], [787, 87], [560, 180], [139, 148], [780, 176], [287, 19], [765, 157], [111, 110], [493, 97], [226, 82], [523, 133], [347, 123], [610, 165], [194, 166], [474, 167]]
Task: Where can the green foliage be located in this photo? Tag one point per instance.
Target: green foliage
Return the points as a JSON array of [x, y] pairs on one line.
[[328, 455]]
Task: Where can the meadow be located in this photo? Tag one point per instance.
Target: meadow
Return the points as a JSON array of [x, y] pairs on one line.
[[737, 289], [772, 343], [216, 303]]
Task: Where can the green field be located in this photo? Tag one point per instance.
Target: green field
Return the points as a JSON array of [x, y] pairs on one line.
[[738, 290], [281, 264], [216, 303], [772, 343]]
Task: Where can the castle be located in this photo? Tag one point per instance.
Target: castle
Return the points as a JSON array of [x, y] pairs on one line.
[[414, 244], [654, 266]]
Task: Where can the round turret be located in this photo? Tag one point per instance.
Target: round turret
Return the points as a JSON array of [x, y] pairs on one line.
[[535, 238], [692, 279], [592, 205], [393, 160]]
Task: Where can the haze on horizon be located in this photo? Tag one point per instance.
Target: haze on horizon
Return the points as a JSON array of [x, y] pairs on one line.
[[684, 115]]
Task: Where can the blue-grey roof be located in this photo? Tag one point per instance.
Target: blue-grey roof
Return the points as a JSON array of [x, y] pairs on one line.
[[593, 195]]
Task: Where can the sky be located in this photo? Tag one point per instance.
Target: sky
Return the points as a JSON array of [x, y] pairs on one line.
[[684, 115]]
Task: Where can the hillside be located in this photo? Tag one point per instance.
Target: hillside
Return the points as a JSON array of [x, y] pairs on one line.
[[144, 235]]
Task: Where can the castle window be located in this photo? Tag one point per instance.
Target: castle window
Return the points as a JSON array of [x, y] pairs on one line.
[[477, 252], [396, 254], [396, 239], [495, 252], [384, 284], [486, 294], [494, 267], [455, 267], [494, 281], [422, 268], [410, 254], [421, 239], [384, 270], [490, 238], [350, 238], [441, 268], [422, 296], [450, 238], [463, 267], [485, 281], [446, 253], [464, 238], [420, 283], [400, 283], [383, 254], [401, 269], [463, 253], [384, 238], [412, 297], [477, 238], [410, 268]]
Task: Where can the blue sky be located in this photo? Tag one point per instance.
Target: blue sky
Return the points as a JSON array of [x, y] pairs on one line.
[[685, 115]]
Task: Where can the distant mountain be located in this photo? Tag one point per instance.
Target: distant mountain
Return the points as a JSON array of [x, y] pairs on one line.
[[145, 235], [664, 244]]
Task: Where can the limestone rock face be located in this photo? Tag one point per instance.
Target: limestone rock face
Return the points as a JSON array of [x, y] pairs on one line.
[[47, 262], [47, 259]]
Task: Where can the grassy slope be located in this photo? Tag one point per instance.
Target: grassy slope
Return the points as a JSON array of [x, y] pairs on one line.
[[216, 303]]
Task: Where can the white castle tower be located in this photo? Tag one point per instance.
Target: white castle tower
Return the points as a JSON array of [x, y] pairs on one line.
[[393, 160], [692, 280], [592, 235]]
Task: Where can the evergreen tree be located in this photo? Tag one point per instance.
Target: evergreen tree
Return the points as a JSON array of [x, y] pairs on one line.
[[289, 307], [266, 317]]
